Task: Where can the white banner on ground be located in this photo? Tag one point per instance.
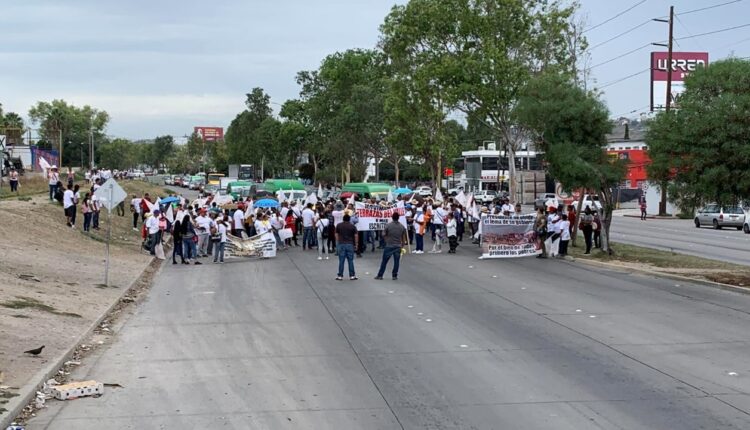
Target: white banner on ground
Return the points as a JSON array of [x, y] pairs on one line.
[[268, 241], [508, 236], [375, 217]]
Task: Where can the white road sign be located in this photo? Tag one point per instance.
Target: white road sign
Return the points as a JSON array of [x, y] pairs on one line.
[[110, 194]]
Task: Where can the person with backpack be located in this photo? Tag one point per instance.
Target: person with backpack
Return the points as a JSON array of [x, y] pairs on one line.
[[219, 237], [321, 231]]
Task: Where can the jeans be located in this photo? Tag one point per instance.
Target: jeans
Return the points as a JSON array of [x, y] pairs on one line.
[[388, 252], [219, 254], [188, 249], [153, 239], [453, 243], [308, 238], [563, 247], [135, 219], [95, 217], [87, 221], [346, 252], [420, 242], [203, 244], [177, 250], [13, 186], [587, 233], [322, 249], [73, 213], [52, 191]]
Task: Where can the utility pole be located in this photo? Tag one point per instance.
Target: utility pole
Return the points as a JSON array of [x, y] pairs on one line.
[[668, 105]]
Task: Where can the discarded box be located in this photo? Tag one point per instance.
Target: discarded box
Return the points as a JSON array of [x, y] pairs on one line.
[[77, 389]]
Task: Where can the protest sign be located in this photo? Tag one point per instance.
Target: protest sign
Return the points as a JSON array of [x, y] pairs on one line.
[[508, 236], [375, 217]]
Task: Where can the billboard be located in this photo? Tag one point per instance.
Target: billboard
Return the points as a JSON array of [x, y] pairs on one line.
[[210, 134], [683, 63]]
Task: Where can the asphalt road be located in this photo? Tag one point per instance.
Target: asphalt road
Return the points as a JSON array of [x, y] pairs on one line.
[[681, 236], [456, 343]]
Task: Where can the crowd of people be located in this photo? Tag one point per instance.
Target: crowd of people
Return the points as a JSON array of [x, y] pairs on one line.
[[556, 227]]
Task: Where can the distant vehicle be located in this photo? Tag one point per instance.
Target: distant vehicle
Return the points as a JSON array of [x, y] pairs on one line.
[[134, 174], [455, 191], [590, 201], [236, 188], [243, 172], [424, 191], [485, 196], [717, 217], [545, 201], [196, 182], [168, 180], [185, 182], [149, 172], [274, 185], [210, 189], [294, 195], [368, 190], [214, 178]]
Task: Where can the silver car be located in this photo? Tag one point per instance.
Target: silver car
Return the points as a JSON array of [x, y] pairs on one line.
[[717, 217]]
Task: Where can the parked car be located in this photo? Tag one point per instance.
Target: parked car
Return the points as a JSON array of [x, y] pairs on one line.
[[455, 191], [717, 217], [134, 174], [424, 191], [485, 196], [546, 200], [590, 201], [185, 182]]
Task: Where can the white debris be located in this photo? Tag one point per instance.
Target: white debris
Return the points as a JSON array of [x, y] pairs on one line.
[[463, 346], [732, 373], [578, 310], [410, 306], [592, 316], [420, 314], [427, 320]]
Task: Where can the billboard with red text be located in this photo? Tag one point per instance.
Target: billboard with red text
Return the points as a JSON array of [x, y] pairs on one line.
[[683, 63], [210, 134]]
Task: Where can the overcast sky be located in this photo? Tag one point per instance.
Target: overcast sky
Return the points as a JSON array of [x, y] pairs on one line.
[[162, 67]]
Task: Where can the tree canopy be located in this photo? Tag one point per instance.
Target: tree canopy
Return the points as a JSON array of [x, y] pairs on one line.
[[703, 145]]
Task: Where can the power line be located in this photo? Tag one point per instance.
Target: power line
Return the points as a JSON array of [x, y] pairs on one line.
[[620, 56], [616, 16], [709, 7], [636, 110], [688, 31], [609, 84], [621, 34], [714, 32]]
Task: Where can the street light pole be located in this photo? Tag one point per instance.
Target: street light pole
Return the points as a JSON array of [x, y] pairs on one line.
[[668, 105]]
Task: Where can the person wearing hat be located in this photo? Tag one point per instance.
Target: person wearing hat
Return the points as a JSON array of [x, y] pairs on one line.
[[53, 177], [152, 226], [13, 180], [135, 209]]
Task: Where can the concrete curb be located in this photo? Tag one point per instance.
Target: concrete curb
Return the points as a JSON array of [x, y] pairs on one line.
[[727, 287], [28, 392]]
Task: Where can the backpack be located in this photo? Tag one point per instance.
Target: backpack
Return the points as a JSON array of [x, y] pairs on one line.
[[323, 230], [59, 194]]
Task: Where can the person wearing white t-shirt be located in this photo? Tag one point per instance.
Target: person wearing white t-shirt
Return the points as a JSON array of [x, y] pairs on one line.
[[69, 205], [135, 209], [321, 233], [564, 228], [238, 223], [308, 219], [440, 217], [221, 230], [204, 230]]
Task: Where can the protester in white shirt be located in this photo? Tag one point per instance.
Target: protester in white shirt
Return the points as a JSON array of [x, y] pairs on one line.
[[564, 228], [152, 224], [204, 230], [221, 230], [238, 224], [321, 230], [135, 209], [308, 219], [69, 206]]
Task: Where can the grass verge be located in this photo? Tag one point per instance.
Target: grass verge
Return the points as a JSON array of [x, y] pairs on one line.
[[669, 263]]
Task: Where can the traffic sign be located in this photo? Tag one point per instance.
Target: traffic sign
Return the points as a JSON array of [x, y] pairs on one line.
[[110, 194], [447, 171]]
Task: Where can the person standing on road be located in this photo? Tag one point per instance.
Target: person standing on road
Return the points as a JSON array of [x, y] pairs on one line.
[[420, 221], [177, 242], [291, 223], [346, 242], [587, 223], [53, 177], [238, 223], [643, 209], [69, 206], [395, 239], [438, 222], [451, 228], [564, 236], [220, 244], [13, 180], [204, 231], [540, 226], [321, 231], [308, 221], [152, 228], [597, 227]]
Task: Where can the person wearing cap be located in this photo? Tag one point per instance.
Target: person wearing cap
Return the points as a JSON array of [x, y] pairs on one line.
[[53, 177], [152, 226], [13, 180], [204, 231]]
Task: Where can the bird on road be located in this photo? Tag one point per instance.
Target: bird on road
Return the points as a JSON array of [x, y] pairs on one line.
[[36, 351]]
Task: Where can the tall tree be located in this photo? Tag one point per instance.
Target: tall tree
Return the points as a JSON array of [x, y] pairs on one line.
[[162, 148], [243, 144], [480, 54], [120, 154], [702, 147], [570, 125], [74, 125]]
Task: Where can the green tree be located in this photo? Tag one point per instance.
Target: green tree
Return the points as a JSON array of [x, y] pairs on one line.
[[476, 56], [118, 154], [75, 125], [570, 125], [703, 146], [243, 144], [161, 150]]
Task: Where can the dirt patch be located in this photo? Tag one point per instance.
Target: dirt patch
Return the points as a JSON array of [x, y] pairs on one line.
[[49, 278]]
